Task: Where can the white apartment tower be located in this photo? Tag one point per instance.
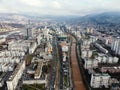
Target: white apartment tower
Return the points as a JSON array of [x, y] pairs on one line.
[[116, 46]]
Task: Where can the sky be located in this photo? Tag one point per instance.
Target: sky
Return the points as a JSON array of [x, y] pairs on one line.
[[59, 7]]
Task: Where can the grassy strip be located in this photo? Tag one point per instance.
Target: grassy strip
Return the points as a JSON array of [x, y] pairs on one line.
[[29, 59], [57, 72], [33, 87]]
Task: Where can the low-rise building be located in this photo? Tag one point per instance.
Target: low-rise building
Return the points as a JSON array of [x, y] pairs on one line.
[[103, 58], [90, 63], [12, 53], [100, 80], [86, 53], [9, 60], [19, 45], [38, 71], [4, 67], [16, 75]]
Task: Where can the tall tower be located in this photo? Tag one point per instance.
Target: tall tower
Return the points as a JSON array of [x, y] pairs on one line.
[[27, 33], [28, 30]]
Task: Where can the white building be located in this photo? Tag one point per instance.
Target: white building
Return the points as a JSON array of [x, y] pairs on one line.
[[12, 53], [39, 37], [19, 45], [86, 42], [45, 31], [86, 53], [2, 40], [32, 48], [103, 58], [93, 39], [38, 71], [115, 46], [100, 80], [90, 63], [4, 67], [101, 48], [16, 75], [65, 48], [9, 60]]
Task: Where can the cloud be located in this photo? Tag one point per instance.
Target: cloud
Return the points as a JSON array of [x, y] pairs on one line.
[[56, 4], [33, 3], [59, 7]]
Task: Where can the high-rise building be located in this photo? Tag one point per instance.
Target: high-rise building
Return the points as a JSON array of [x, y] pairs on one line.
[[29, 30], [115, 46]]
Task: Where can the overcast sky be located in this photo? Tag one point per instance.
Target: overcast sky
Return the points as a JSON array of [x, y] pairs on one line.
[[59, 7]]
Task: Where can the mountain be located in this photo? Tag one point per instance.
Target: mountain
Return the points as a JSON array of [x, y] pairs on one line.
[[103, 18]]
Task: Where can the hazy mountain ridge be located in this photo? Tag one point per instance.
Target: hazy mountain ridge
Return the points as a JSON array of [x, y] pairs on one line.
[[103, 18]]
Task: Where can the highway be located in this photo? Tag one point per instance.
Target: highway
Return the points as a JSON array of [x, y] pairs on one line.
[[76, 74], [52, 75], [60, 68]]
